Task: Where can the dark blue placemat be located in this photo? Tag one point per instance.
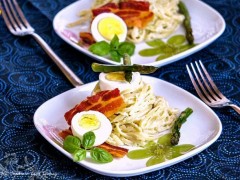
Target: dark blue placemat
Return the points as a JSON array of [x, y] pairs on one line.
[[28, 78]]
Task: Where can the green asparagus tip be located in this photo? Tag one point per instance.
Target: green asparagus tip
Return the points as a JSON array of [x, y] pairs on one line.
[[178, 124], [142, 69]]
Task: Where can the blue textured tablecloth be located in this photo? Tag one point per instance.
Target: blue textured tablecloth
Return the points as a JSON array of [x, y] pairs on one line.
[[28, 78]]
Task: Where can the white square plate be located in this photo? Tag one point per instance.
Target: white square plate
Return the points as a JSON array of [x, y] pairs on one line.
[[207, 25], [202, 128]]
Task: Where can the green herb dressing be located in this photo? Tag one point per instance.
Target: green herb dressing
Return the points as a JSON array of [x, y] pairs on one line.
[[174, 45], [160, 151]]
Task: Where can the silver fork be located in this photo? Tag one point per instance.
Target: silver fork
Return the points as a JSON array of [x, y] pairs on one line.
[[19, 26], [208, 90]]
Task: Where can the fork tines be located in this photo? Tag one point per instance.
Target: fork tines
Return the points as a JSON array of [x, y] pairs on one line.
[[208, 91], [13, 16]]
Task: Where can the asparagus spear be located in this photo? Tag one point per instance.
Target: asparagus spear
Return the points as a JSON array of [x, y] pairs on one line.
[[127, 61], [114, 68], [177, 125], [187, 22]]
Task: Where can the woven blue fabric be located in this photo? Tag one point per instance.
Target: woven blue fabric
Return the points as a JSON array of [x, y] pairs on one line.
[[28, 78]]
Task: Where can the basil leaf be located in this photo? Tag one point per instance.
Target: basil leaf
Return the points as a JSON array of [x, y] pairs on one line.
[[71, 144], [114, 43], [88, 140], [100, 155], [79, 155], [101, 48], [115, 56], [126, 47]]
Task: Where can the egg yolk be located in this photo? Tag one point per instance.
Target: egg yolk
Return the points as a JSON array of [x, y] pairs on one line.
[[89, 122], [109, 26], [116, 76]]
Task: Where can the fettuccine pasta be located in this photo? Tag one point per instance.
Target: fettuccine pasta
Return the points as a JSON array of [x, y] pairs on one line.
[[143, 119], [166, 20]]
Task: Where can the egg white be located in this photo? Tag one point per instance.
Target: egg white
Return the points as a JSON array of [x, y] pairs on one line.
[[97, 35], [102, 133], [106, 84]]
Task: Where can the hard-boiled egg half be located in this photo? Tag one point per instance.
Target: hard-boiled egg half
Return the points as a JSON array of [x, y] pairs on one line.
[[91, 121], [110, 81], [106, 25]]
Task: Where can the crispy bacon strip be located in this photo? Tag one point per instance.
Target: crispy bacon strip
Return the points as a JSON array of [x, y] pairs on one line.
[[116, 151], [109, 7], [107, 102], [134, 13], [65, 133], [86, 38], [134, 18], [101, 10], [135, 5]]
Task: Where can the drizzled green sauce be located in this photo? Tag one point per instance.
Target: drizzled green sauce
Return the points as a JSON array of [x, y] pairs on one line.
[[160, 151], [174, 45]]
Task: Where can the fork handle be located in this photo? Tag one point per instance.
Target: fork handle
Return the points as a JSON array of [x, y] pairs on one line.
[[235, 107], [71, 76]]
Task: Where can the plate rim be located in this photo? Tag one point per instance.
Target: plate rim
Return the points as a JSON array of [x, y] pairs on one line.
[[144, 170]]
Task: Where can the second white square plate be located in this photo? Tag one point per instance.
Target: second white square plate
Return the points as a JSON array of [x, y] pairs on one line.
[[207, 25]]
